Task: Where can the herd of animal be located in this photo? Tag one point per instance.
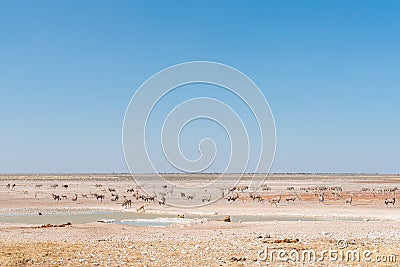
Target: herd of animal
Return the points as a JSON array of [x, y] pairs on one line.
[[319, 192], [288, 194]]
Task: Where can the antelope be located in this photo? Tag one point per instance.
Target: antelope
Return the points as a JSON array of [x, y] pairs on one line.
[[183, 194], [190, 197], [141, 208], [98, 185], [321, 198], [101, 197], [8, 186], [265, 187], [111, 190], [292, 198], [256, 196], [115, 198], [64, 197], [74, 197], [206, 199], [84, 195], [391, 201], [127, 203], [162, 201], [290, 188], [275, 201], [38, 185], [54, 185], [56, 197], [349, 200], [242, 188], [130, 190], [233, 197]]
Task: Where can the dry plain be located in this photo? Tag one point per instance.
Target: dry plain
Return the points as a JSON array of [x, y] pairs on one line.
[[292, 220]]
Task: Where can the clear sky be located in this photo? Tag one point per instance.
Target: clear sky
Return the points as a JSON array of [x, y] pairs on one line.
[[329, 69]]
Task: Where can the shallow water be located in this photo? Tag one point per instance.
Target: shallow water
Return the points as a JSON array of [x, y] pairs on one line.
[[143, 219]]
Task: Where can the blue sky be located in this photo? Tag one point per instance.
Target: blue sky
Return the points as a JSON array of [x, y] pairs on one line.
[[329, 70]]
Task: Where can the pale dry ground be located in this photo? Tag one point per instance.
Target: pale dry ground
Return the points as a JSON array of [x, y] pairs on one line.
[[204, 244]]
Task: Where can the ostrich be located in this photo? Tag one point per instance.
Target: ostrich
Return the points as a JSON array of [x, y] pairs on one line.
[[65, 186]]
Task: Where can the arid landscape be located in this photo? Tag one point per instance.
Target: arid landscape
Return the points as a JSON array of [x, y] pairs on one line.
[[109, 220]]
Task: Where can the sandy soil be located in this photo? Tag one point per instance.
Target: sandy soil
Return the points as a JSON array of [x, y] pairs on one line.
[[365, 226]]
